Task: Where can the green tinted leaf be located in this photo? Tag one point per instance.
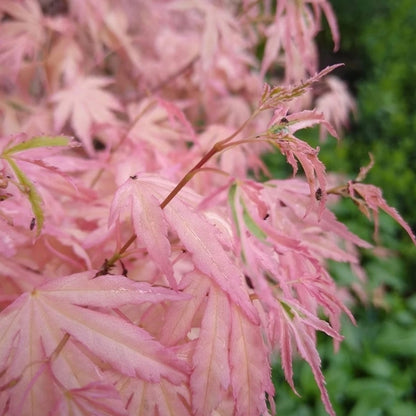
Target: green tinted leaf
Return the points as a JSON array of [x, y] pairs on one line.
[[252, 226], [41, 141], [30, 189], [231, 201]]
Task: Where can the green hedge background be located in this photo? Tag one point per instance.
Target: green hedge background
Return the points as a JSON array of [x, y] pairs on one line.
[[374, 373]]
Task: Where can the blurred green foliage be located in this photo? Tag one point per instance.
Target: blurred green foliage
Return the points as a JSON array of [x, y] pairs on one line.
[[374, 373], [379, 51]]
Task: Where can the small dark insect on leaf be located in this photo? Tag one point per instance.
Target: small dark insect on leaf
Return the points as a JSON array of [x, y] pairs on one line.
[[318, 194], [133, 177], [32, 223], [249, 282], [284, 120]]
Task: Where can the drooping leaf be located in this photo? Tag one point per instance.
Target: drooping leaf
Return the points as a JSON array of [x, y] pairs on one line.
[[373, 199], [294, 328]]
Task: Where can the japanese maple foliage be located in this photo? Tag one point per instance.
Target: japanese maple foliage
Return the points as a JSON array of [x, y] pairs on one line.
[[145, 268]]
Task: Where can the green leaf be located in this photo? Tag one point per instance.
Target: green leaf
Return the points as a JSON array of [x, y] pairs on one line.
[[40, 141], [29, 188], [231, 201], [252, 226]]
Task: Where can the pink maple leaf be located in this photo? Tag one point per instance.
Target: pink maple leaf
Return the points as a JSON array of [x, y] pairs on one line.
[[179, 322], [198, 236], [250, 369], [210, 378], [21, 36], [78, 305], [93, 399], [148, 220], [85, 102], [162, 398]]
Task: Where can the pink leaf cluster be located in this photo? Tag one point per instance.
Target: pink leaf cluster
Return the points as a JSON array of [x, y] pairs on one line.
[[145, 269]]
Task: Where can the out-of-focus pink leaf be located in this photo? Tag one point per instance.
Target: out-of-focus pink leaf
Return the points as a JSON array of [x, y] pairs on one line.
[[336, 104], [290, 37], [176, 115], [21, 35], [84, 102]]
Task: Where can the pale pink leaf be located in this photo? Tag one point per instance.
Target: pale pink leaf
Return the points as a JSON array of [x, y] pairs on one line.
[[96, 398], [148, 221], [179, 320], [162, 398], [177, 115], [331, 19], [40, 320], [250, 368], [128, 349], [108, 291], [307, 349], [292, 324], [199, 237], [210, 377]]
